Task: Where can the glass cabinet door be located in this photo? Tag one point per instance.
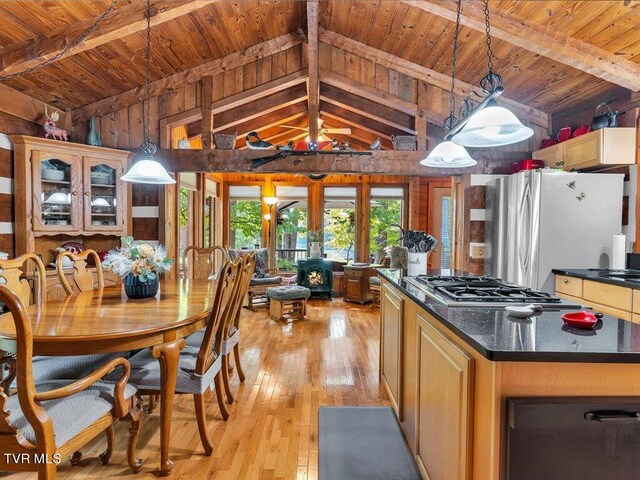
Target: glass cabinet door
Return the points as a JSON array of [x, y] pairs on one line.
[[56, 191], [103, 195]]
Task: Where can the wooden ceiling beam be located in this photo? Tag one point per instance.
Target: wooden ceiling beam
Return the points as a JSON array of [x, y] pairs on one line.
[[119, 23], [430, 76], [260, 108], [362, 90], [312, 56], [351, 119], [259, 92], [358, 132], [219, 65], [239, 161], [369, 109], [267, 121], [541, 40], [27, 108]]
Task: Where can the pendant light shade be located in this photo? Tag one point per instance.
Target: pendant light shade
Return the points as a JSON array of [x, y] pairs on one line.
[[148, 170], [493, 126], [449, 155]]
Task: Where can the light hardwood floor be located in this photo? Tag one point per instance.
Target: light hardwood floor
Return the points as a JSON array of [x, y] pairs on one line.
[[329, 359]]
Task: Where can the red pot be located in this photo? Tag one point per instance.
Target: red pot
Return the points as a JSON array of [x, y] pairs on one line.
[[547, 142], [564, 134]]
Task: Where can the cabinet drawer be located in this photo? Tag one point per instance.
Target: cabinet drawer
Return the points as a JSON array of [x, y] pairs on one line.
[[614, 312], [352, 273], [569, 285], [635, 318], [636, 301], [619, 298]]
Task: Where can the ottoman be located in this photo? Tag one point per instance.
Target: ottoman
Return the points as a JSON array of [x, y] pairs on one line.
[[374, 286], [288, 303]]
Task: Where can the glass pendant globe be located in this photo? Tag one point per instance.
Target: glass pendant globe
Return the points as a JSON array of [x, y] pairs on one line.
[[449, 155], [493, 126], [148, 170]]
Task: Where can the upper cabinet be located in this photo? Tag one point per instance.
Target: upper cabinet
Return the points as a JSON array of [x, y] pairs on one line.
[[607, 146], [65, 188]]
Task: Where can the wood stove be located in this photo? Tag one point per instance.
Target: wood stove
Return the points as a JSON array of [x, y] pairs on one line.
[[317, 275]]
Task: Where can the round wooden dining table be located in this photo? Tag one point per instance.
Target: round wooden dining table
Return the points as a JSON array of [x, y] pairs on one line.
[[106, 320]]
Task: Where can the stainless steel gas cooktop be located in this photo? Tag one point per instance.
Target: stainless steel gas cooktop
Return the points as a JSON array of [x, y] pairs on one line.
[[473, 290]]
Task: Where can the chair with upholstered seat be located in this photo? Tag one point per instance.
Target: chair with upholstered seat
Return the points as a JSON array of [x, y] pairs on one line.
[[263, 277], [51, 420], [199, 366], [199, 263], [82, 277]]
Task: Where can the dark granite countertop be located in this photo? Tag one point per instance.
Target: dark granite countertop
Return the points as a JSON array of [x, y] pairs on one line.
[[542, 337], [622, 278]]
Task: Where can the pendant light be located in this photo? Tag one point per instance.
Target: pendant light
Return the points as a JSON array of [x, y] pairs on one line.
[[147, 169], [491, 125], [447, 154]]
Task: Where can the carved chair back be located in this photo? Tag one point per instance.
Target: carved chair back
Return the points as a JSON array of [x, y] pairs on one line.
[[246, 274], [11, 276], [227, 286], [199, 263], [82, 276]]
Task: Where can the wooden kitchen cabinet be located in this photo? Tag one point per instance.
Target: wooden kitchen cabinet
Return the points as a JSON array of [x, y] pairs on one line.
[[444, 384], [607, 146], [552, 156], [609, 299], [391, 351], [569, 286]]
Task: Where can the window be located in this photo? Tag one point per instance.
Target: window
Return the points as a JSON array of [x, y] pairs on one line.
[[188, 189], [386, 213], [210, 193], [245, 216], [445, 234], [291, 227], [340, 222]]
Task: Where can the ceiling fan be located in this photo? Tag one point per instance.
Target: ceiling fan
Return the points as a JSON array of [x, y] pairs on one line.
[[322, 131]]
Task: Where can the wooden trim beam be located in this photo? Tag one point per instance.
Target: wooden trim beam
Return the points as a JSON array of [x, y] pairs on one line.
[[421, 115], [207, 113], [313, 84], [541, 40], [362, 90], [260, 108], [120, 23], [234, 60], [259, 92], [28, 108], [238, 161], [430, 76]]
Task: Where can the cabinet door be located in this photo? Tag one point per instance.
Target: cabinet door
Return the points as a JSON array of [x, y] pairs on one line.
[[583, 151], [444, 403], [391, 308], [57, 190], [104, 199], [552, 156], [353, 289]]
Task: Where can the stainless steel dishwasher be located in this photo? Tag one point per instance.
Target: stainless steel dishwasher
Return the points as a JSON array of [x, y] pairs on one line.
[[566, 438]]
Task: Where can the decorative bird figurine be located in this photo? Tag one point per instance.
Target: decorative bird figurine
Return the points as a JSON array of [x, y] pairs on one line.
[[254, 142], [289, 146], [345, 146], [335, 145], [376, 144]]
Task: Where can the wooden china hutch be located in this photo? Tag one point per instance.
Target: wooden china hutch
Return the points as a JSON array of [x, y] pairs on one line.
[[68, 192]]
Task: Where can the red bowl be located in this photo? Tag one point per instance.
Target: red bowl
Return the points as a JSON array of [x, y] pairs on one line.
[[584, 319]]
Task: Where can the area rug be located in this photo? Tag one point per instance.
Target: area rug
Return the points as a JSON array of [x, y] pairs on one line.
[[363, 443]]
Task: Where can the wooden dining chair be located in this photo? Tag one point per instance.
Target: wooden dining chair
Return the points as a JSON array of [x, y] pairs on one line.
[[199, 263], [231, 331], [46, 422], [82, 276], [199, 366]]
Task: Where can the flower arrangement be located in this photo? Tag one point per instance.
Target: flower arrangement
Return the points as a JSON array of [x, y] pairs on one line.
[[140, 260]]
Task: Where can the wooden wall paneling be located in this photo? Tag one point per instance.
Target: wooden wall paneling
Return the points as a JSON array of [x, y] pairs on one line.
[[207, 113], [27, 108], [108, 130], [263, 67], [121, 127], [136, 125], [421, 115], [413, 222], [279, 65], [249, 76]]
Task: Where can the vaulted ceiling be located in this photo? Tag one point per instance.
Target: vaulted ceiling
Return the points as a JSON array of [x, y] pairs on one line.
[[553, 55]]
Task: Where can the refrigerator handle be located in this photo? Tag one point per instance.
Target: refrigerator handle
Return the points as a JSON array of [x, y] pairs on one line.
[[610, 416], [524, 234]]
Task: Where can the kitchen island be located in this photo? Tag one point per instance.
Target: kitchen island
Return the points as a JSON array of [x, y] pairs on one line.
[[449, 371]]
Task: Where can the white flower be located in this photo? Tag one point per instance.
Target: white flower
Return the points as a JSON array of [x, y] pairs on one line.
[[146, 251]]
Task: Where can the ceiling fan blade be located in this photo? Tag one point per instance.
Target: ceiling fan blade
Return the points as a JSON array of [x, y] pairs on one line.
[[294, 128], [338, 131]]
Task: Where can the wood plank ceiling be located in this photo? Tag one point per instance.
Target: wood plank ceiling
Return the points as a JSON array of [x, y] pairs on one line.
[[418, 34]]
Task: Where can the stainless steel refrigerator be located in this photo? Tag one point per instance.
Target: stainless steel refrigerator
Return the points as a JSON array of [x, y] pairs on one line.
[[539, 220]]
